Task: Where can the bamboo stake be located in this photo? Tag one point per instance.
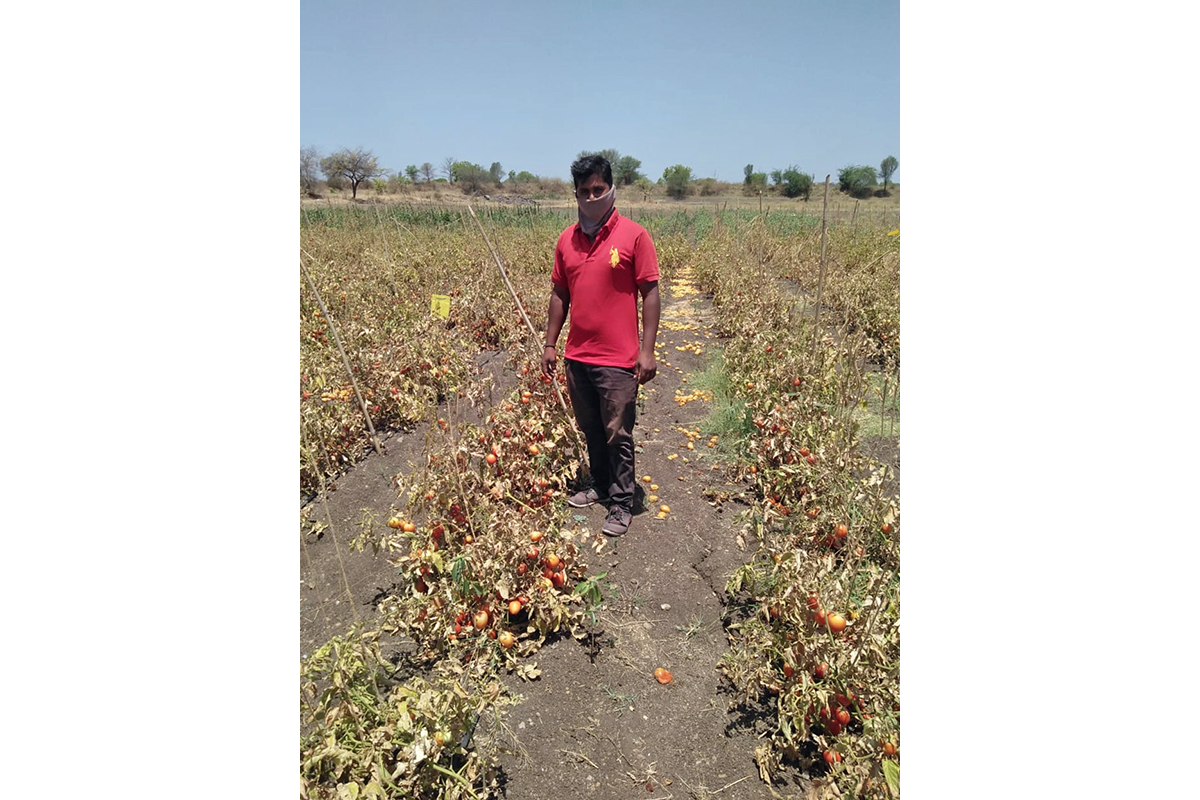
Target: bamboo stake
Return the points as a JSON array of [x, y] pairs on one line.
[[345, 360], [821, 273], [524, 316]]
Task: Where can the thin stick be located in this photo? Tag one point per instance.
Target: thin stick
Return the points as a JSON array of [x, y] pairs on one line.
[[726, 786], [345, 360], [524, 316], [821, 274]]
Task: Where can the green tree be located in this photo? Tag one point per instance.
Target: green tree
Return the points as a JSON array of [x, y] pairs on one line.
[[887, 169], [496, 173], [796, 183], [471, 178], [411, 171], [625, 170], [678, 181], [310, 162], [610, 154], [776, 177], [355, 166], [857, 180], [749, 171], [756, 183], [643, 185]]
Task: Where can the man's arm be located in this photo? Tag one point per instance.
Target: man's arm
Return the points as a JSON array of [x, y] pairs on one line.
[[560, 303], [646, 366]]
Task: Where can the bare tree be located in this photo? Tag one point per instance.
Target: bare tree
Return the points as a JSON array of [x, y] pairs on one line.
[[427, 172], [310, 162], [355, 166], [448, 169]]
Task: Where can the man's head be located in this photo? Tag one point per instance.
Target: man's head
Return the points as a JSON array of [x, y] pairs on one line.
[[588, 172]]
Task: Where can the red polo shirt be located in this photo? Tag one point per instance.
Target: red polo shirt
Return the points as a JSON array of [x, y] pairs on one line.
[[602, 277]]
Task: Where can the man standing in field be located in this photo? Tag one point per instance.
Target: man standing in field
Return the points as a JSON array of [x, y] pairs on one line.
[[601, 264]]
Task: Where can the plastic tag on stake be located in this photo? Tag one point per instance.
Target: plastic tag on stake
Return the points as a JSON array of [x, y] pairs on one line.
[[441, 305]]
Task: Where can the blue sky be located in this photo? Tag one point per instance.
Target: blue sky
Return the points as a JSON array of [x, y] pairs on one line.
[[711, 85]]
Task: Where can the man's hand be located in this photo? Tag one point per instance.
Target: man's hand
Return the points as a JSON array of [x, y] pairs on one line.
[[549, 360], [645, 368]]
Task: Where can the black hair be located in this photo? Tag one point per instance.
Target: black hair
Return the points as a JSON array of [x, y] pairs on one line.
[[588, 166]]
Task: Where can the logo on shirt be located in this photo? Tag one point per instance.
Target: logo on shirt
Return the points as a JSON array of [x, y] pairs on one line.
[[614, 257]]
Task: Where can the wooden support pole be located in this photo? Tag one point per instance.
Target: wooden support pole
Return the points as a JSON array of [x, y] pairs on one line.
[[524, 316], [345, 360], [821, 272]]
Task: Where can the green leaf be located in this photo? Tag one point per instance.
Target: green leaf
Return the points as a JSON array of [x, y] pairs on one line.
[[891, 774], [580, 518]]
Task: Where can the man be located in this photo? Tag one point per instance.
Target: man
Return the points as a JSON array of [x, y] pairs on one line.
[[601, 264]]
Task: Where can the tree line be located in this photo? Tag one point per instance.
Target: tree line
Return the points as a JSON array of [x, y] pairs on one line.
[[353, 167]]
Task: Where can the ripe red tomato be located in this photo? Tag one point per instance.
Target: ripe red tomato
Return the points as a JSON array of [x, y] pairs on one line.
[[832, 757], [804, 451], [821, 671], [843, 716], [841, 530]]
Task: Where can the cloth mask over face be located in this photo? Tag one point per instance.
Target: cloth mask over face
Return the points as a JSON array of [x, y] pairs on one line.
[[593, 212]]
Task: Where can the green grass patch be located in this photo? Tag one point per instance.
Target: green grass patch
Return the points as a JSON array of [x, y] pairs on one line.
[[726, 417]]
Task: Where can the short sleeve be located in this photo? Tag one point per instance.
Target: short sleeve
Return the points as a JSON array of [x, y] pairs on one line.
[[645, 259], [558, 275]]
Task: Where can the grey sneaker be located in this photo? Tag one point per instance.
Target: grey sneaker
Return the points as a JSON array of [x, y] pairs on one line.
[[617, 521], [584, 499]]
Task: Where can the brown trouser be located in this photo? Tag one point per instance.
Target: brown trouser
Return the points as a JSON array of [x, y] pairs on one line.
[[604, 399]]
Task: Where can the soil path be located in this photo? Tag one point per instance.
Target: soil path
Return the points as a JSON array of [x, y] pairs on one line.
[[597, 723]]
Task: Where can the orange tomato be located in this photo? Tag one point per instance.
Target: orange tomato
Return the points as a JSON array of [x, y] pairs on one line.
[[889, 748], [663, 676], [491, 458], [553, 561], [533, 450], [514, 607], [481, 618], [841, 530], [836, 622], [506, 640], [409, 527], [535, 536], [394, 522]]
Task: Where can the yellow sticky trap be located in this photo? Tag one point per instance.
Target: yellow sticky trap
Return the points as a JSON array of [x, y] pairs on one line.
[[441, 305]]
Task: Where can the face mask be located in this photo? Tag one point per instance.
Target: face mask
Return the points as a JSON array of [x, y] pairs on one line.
[[592, 212]]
